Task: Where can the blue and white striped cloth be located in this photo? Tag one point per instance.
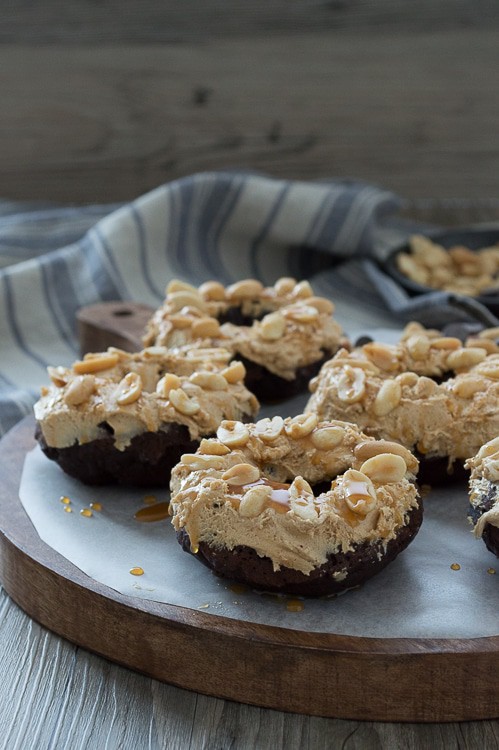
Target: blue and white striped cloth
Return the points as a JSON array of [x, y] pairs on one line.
[[221, 225]]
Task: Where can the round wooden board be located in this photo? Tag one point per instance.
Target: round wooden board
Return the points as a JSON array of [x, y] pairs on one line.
[[320, 674]]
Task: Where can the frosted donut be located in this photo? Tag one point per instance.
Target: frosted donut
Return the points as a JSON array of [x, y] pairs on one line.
[[243, 504], [484, 494], [123, 418], [281, 333], [435, 396]]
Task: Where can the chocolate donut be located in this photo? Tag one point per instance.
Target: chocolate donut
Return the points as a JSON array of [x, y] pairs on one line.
[[484, 494], [243, 504], [123, 418], [428, 392], [282, 333]]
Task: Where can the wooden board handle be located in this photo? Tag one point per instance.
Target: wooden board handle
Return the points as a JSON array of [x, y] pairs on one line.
[[119, 324]]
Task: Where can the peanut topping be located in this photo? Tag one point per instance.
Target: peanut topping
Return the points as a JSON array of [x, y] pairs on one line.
[[272, 326], [327, 438], [175, 285], [254, 501], [212, 290], [301, 425], [285, 285], [129, 389], [210, 381], [201, 462], [247, 288], [301, 499], [213, 448], [79, 390], [351, 384], [458, 270], [241, 474], [178, 300], [383, 355], [418, 346], [321, 304], [490, 369], [301, 313], [205, 328], [425, 387], [407, 378], [489, 449], [182, 403], [303, 290], [167, 383], [467, 387], [268, 429], [360, 495], [96, 362], [232, 433], [387, 398], [385, 468], [59, 376], [180, 321], [371, 448], [446, 342], [463, 359], [234, 373]]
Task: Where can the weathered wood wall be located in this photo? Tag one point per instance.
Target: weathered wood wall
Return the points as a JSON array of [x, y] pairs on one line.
[[101, 101]]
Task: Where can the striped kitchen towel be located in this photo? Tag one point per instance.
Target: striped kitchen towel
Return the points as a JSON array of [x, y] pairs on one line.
[[220, 225]]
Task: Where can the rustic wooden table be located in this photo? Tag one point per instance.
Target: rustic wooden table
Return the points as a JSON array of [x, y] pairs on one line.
[[104, 101]]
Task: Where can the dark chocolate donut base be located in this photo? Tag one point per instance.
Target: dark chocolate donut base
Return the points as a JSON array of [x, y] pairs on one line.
[[146, 462], [490, 533], [243, 565], [435, 471], [271, 388]]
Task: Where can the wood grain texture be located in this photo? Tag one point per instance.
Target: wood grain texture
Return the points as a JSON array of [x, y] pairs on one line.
[[120, 324], [406, 679], [102, 102], [62, 697]]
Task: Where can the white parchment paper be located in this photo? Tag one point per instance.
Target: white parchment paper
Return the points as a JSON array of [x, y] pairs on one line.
[[418, 595]]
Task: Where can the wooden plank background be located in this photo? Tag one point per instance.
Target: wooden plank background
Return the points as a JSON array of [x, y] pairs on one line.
[[102, 101]]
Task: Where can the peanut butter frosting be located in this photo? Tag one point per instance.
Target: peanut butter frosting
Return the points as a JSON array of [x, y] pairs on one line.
[[484, 478], [287, 326], [127, 394], [393, 392], [251, 486]]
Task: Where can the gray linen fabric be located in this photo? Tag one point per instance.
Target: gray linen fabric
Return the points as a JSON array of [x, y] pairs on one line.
[[223, 225]]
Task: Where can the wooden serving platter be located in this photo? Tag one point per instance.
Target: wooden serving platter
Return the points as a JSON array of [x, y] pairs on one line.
[[393, 679]]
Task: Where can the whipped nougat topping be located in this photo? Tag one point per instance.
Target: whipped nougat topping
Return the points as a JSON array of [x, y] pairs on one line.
[[253, 486], [484, 482], [127, 394], [390, 391], [287, 327]]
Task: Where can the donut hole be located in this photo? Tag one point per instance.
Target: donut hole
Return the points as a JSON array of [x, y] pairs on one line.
[[237, 317]]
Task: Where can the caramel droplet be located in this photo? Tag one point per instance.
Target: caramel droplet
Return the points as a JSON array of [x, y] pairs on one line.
[[96, 506], [65, 500], [294, 605], [455, 566], [136, 571], [491, 571], [155, 512], [67, 509], [86, 512], [238, 588]]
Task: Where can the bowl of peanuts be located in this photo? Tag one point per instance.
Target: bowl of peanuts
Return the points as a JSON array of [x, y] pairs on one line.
[[461, 261]]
